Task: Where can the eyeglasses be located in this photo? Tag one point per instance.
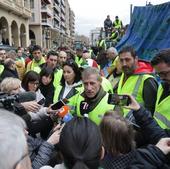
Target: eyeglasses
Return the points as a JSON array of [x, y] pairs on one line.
[[15, 165], [34, 83]]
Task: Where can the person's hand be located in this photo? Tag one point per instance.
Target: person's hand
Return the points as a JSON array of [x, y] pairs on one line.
[[50, 110], [31, 106], [134, 105], [164, 145], [55, 137]]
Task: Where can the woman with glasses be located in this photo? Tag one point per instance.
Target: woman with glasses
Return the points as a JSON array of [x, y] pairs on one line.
[[70, 84], [30, 83]]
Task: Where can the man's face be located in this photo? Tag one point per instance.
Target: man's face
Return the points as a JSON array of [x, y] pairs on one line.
[[52, 61], [128, 63], [163, 70], [91, 85], [111, 55], [19, 53], [79, 52], [37, 55], [2, 55], [62, 59]]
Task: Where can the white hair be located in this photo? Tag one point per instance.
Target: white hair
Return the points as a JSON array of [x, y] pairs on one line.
[[12, 139], [9, 83], [112, 50]]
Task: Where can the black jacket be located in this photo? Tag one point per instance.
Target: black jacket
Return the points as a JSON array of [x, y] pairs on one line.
[[150, 128], [107, 23], [149, 158], [48, 93], [8, 73]]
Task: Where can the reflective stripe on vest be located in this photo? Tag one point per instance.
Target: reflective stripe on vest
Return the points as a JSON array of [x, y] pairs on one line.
[[162, 109], [1, 69], [118, 24], [57, 77], [78, 60], [162, 119], [31, 65], [133, 86]]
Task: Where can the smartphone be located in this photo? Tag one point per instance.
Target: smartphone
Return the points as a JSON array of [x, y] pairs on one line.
[[57, 105], [41, 102], [121, 100]]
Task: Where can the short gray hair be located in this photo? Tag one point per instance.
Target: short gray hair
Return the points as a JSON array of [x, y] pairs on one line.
[[12, 139], [91, 71], [112, 50]]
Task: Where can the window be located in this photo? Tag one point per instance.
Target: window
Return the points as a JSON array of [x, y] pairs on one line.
[[32, 17], [32, 4]]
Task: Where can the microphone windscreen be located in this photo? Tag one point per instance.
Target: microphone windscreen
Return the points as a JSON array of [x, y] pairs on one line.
[[63, 111], [26, 96]]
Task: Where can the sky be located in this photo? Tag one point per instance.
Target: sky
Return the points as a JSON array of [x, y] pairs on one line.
[[90, 14]]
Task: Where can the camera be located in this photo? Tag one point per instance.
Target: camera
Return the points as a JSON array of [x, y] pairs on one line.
[[120, 100]]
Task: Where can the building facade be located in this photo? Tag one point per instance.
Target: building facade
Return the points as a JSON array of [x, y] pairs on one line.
[[50, 23], [14, 22]]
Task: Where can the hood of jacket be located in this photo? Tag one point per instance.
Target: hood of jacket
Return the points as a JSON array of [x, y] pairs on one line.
[[144, 67]]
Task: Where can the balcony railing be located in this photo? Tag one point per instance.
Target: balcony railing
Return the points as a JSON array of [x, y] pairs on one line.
[[47, 10], [46, 22], [20, 9], [56, 7]]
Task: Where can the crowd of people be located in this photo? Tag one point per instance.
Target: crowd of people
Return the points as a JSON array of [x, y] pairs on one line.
[[65, 118]]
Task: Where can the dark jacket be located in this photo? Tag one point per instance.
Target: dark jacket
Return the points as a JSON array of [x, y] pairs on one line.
[[107, 23], [119, 162], [150, 128], [8, 73], [40, 152], [48, 93], [149, 158]]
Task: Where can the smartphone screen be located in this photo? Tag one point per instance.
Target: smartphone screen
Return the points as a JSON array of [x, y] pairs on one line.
[[121, 100], [57, 105], [41, 102]]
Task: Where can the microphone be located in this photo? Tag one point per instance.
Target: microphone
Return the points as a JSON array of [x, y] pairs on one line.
[[64, 114], [20, 97], [26, 97]]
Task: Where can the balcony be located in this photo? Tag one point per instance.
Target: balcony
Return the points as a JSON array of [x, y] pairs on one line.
[[46, 22], [47, 1], [56, 7], [62, 10], [56, 17], [56, 2], [47, 10], [63, 25], [63, 3], [16, 8], [56, 27], [62, 17]]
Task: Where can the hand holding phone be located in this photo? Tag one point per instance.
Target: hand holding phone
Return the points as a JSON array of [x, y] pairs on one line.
[[121, 100], [57, 105], [41, 102], [134, 105]]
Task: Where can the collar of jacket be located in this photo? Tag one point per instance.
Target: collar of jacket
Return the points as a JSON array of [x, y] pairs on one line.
[[143, 67], [101, 93]]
